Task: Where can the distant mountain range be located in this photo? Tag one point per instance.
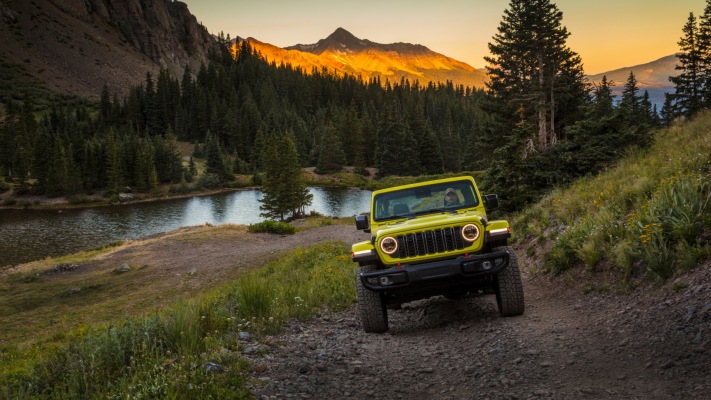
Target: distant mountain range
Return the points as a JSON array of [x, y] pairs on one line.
[[77, 46], [343, 52], [652, 77], [346, 54]]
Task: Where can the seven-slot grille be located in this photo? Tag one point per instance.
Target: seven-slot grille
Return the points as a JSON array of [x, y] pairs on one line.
[[430, 242]]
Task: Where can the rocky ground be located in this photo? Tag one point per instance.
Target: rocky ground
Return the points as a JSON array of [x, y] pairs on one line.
[[653, 343]]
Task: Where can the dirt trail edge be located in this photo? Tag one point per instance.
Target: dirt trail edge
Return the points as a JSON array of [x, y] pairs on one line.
[[652, 344]]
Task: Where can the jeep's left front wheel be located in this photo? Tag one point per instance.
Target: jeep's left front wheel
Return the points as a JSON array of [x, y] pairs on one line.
[[509, 288], [373, 314]]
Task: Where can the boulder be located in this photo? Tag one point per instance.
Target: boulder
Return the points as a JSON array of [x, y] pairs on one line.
[[124, 197]]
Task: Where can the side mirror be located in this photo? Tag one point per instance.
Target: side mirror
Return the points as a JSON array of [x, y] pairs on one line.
[[363, 222], [491, 201]]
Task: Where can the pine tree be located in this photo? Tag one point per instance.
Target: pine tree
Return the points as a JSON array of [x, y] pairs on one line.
[[114, 163], [533, 74], [604, 99], [192, 169], [636, 114], [598, 139], [536, 91], [630, 103], [25, 141], [391, 138], [668, 110], [285, 193], [105, 105], [331, 157], [689, 84], [217, 161], [704, 49], [430, 152], [452, 143]]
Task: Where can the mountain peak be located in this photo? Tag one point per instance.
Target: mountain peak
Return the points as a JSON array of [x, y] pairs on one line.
[[344, 53], [342, 35], [339, 40]]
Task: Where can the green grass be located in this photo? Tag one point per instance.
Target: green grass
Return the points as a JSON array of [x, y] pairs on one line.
[[269, 226], [164, 354], [652, 210]]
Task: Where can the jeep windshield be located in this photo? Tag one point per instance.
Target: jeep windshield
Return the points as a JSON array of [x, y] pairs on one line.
[[440, 197]]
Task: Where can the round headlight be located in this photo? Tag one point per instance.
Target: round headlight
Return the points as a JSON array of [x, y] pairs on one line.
[[388, 245], [470, 232]]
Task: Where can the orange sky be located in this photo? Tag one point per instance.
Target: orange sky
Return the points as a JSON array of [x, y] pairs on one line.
[[608, 34]]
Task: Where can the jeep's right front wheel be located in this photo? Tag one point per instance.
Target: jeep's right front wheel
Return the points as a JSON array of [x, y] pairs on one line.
[[509, 288], [373, 314]]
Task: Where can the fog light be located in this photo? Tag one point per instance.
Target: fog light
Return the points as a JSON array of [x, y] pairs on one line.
[[486, 265], [385, 281]]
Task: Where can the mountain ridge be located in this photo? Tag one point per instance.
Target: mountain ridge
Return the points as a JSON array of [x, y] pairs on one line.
[[652, 76], [77, 46], [653, 73], [345, 53]]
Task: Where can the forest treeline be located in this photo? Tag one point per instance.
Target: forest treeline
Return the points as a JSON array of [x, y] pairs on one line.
[[538, 124]]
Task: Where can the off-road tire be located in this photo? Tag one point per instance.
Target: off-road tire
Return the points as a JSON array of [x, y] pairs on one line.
[[509, 288], [373, 314]]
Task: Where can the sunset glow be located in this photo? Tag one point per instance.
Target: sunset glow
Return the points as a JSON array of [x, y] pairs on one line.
[[607, 34]]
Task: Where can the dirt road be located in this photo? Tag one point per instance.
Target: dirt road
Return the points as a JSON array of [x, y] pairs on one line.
[[654, 343]]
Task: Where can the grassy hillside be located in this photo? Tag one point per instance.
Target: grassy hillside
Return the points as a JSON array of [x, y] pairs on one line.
[[648, 216]]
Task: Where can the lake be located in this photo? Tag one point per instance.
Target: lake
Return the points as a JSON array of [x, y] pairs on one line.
[[28, 235]]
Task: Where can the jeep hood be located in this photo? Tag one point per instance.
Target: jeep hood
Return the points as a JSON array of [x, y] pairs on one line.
[[429, 221]]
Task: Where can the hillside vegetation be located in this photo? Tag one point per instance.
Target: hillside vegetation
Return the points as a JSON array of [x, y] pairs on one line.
[[132, 344], [650, 215]]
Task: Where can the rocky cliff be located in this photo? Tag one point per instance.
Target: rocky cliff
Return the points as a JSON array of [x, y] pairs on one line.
[[76, 46]]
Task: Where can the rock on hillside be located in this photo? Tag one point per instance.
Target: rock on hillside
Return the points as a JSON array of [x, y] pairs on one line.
[[76, 46]]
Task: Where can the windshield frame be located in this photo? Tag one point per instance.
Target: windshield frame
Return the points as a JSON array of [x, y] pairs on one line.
[[424, 199]]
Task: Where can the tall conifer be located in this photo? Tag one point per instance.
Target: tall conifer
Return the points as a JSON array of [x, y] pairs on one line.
[[534, 77], [285, 192], [689, 84]]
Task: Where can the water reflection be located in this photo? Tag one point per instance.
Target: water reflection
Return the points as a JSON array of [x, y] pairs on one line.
[[340, 202], [27, 235]]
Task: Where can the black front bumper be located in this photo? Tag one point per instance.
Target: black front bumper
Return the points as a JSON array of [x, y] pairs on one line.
[[464, 272]]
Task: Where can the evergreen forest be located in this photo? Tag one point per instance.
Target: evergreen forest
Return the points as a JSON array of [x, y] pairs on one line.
[[538, 124]]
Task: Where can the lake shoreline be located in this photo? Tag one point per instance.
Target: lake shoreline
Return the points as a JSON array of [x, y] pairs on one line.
[[345, 180], [62, 203]]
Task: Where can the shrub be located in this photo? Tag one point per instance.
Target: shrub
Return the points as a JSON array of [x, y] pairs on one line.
[[269, 226], [21, 190], [4, 185], [9, 201], [182, 187], [671, 224], [257, 179], [210, 181], [78, 199]]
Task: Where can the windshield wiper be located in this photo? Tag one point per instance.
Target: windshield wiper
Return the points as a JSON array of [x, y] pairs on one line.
[[436, 210]]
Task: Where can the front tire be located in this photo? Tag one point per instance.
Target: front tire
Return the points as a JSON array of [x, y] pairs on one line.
[[509, 288], [373, 314]]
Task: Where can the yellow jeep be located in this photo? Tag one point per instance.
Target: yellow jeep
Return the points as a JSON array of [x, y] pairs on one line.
[[433, 238]]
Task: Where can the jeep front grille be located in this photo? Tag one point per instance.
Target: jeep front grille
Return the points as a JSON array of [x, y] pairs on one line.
[[430, 242]]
